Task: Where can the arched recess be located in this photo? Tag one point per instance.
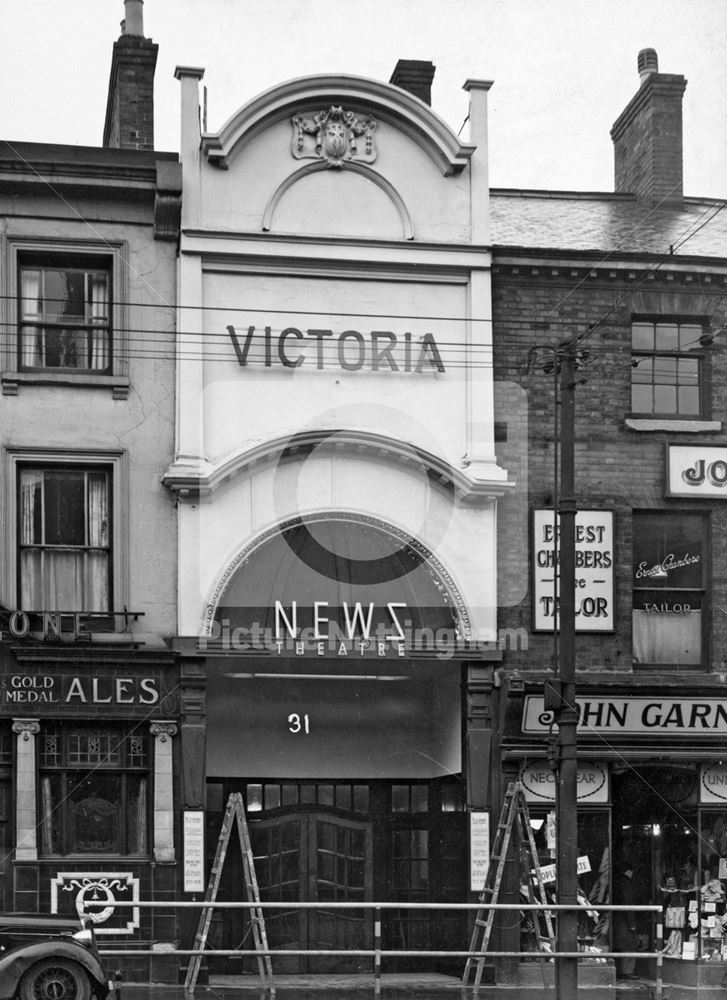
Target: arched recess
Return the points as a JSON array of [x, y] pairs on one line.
[[407, 230], [339, 557]]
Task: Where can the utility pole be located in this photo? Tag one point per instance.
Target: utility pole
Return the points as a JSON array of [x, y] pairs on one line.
[[566, 715]]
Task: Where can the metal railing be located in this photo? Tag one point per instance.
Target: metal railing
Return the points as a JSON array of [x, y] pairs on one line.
[[378, 952]]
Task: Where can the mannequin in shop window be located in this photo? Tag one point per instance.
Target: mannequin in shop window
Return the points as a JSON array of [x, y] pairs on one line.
[[624, 922]]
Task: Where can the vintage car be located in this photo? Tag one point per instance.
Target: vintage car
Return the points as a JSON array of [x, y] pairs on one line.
[[49, 957]]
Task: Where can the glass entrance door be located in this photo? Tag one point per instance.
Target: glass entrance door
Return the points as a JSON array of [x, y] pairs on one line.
[[315, 857]]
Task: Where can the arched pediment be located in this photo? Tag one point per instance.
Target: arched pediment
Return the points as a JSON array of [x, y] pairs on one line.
[[311, 94], [203, 481]]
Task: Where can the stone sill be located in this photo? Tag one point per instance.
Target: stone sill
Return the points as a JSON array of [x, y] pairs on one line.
[[673, 426], [119, 384]]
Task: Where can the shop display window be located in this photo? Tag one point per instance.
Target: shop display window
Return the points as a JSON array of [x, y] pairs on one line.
[[593, 876], [668, 588], [93, 790], [713, 885]]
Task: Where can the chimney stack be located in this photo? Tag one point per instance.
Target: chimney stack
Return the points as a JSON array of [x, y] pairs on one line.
[[130, 104], [647, 137], [414, 75]]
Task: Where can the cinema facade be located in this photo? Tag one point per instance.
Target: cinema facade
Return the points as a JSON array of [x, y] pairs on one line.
[[337, 491]]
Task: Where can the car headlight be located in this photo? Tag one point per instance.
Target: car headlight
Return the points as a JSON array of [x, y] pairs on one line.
[[85, 936]]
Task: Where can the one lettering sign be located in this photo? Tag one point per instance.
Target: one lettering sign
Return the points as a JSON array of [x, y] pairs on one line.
[[594, 571]]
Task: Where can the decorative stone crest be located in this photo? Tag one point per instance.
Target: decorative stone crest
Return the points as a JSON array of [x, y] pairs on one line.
[[99, 891], [334, 135]]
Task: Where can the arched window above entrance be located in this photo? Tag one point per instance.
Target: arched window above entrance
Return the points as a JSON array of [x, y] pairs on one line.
[[339, 576]]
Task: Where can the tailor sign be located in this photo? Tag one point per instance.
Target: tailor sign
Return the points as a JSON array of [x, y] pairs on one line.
[[694, 471], [594, 571], [643, 716], [539, 781]]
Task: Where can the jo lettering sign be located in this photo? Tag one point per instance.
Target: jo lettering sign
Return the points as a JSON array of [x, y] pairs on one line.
[[594, 571], [693, 471]]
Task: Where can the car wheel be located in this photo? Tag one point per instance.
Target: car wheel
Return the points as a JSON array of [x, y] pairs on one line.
[[55, 979]]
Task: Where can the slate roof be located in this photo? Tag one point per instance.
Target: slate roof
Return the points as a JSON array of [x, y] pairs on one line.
[[606, 223]]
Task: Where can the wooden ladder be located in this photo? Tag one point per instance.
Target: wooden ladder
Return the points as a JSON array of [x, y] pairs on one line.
[[235, 812], [514, 810]]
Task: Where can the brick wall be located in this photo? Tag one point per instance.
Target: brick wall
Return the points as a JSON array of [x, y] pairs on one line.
[[616, 468]]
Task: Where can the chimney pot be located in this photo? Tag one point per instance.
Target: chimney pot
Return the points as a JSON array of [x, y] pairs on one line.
[[647, 63], [133, 23]]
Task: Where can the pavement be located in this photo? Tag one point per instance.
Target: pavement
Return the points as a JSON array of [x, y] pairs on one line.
[[362, 987]]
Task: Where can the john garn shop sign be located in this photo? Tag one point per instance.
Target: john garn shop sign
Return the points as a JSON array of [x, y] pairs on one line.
[[643, 715]]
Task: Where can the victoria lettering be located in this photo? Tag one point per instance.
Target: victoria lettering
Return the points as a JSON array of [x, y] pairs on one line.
[[380, 350]]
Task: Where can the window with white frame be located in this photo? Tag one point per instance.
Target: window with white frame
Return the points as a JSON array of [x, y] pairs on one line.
[[667, 368], [64, 313], [65, 538]]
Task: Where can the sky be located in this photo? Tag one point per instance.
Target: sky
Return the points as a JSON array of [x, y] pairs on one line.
[[563, 70]]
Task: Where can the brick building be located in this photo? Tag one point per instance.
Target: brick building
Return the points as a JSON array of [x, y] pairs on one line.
[[639, 277], [88, 582]]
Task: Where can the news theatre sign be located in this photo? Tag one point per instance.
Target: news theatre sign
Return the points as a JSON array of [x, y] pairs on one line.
[[643, 716], [594, 570]]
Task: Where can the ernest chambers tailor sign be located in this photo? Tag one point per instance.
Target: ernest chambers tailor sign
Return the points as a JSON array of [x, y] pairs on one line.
[[594, 570]]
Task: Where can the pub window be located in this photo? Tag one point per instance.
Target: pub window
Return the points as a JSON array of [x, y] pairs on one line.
[[668, 588], [64, 557], [93, 790], [64, 312], [667, 368]]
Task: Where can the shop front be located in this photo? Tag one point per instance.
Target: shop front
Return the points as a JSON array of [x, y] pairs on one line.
[[86, 787], [336, 677], [652, 809]]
